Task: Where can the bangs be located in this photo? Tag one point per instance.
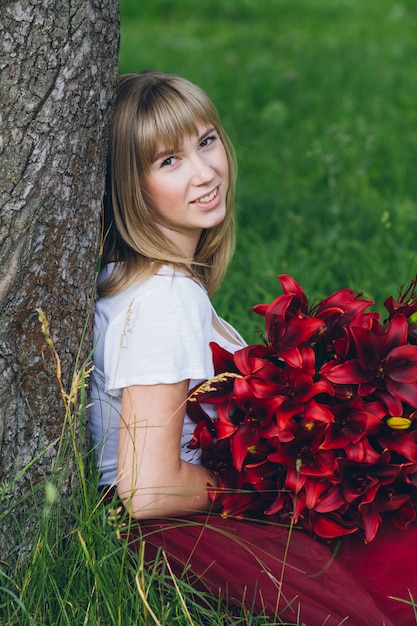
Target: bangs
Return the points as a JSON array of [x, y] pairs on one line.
[[166, 117]]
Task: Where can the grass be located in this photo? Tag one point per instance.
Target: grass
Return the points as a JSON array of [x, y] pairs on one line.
[[318, 97], [78, 569]]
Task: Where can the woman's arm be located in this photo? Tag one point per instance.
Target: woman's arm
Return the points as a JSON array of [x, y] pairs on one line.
[[152, 479]]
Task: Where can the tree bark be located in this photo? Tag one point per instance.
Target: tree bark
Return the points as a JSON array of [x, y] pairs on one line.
[[58, 68]]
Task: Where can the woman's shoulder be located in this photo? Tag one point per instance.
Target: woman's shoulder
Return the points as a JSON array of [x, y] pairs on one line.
[[174, 290], [171, 283], [164, 275], [165, 287]]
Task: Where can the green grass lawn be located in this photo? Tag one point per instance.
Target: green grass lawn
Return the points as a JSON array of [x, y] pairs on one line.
[[318, 97]]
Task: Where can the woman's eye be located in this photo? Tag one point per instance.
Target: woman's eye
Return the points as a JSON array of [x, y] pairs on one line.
[[208, 140], [167, 162]]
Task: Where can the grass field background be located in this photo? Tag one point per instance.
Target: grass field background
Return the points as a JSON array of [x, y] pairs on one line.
[[319, 99]]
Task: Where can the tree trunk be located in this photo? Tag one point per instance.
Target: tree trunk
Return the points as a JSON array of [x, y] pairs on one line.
[[58, 68]]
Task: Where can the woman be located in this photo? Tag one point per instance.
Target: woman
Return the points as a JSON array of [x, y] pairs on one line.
[[169, 233]]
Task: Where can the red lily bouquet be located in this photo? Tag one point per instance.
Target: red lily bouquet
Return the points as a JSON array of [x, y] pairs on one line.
[[318, 423]]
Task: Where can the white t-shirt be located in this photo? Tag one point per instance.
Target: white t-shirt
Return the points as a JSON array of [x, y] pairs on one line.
[[156, 331]]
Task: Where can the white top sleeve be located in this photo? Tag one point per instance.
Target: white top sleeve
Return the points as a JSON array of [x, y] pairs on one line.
[[159, 334]]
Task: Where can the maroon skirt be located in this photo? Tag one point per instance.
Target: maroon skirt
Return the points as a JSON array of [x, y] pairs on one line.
[[299, 579]]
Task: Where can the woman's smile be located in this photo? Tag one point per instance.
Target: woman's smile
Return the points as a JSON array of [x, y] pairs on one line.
[[210, 200]]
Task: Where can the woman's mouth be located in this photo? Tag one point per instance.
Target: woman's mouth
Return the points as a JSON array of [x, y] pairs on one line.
[[208, 199]]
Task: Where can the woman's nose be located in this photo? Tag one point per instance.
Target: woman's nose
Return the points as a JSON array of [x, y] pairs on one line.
[[202, 172]]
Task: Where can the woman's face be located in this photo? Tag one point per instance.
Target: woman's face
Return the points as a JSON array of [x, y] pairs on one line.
[[187, 188]]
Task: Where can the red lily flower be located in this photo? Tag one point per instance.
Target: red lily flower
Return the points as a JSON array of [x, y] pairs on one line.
[[245, 437], [331, 500], [287, 324], [361, 452], [352, 422], [290, 394], [261, 474], [345, 308], [227, 423], [258, 398], [331, 525], [316, 490], [289, 285], [383, 363], [235, 503], [218, 459], [371, 520], [202, 437], [223, 360], [304, 451], [404, 514], [256, 360], [362, 480], [293, 300], [342, 309], [388, 500]]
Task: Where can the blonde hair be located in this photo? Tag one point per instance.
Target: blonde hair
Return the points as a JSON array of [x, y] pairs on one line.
[[153, 109]]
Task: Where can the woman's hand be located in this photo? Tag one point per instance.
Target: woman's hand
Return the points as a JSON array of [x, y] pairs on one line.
[[152, 479]]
